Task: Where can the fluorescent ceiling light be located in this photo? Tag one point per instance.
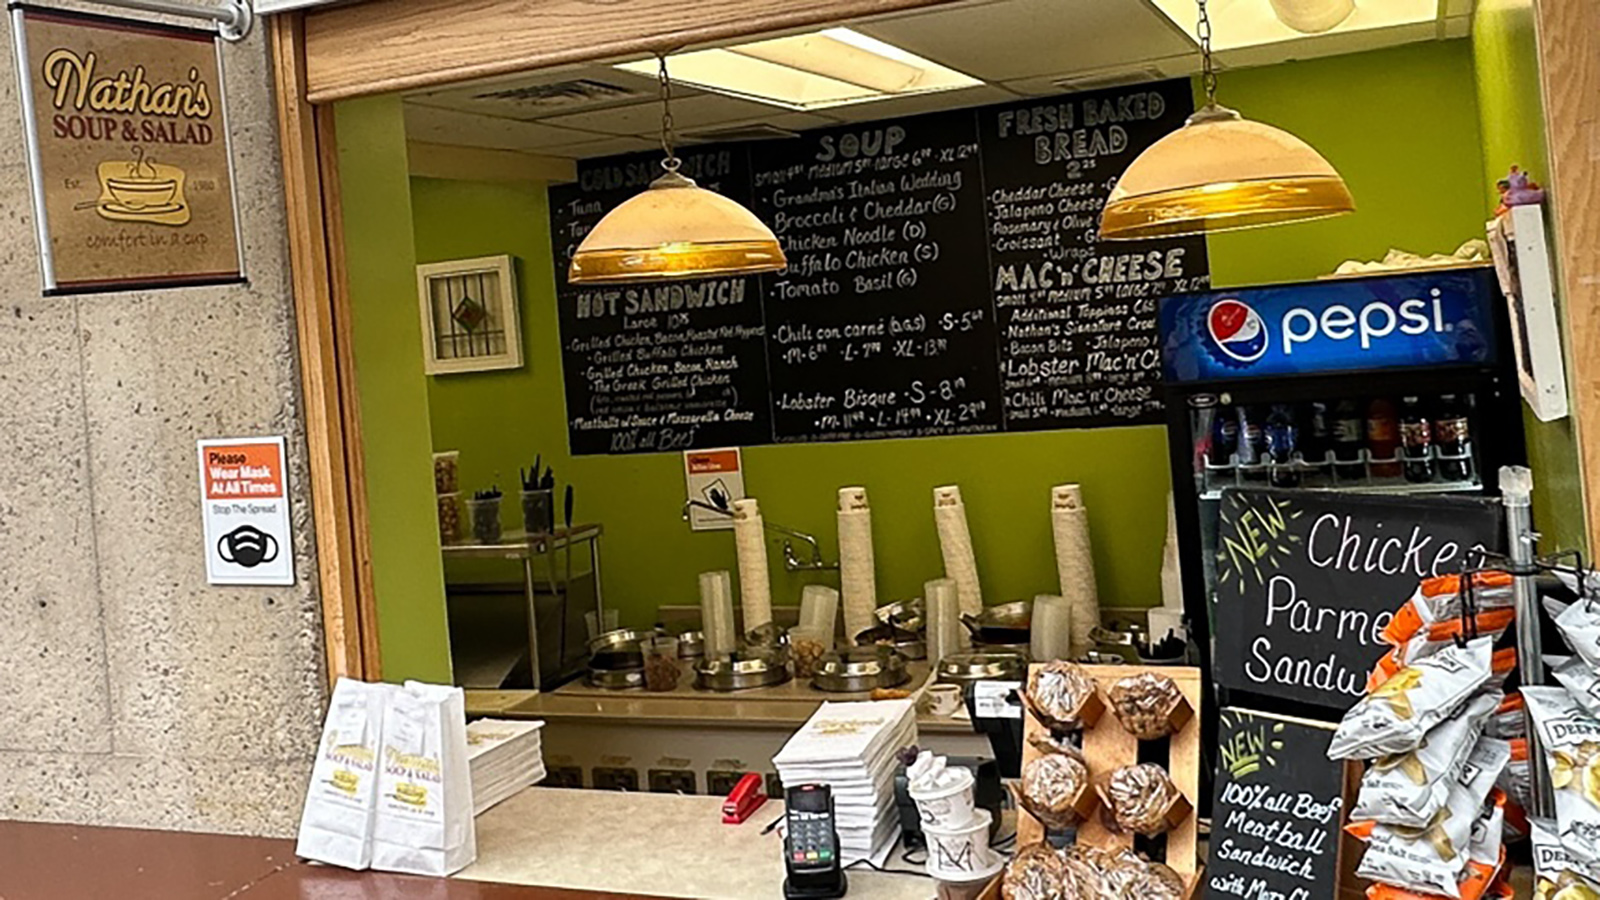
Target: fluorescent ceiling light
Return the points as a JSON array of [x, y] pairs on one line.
[[1251, 23], [811, 71]]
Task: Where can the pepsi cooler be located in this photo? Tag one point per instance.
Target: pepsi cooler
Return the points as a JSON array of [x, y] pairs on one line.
[[1401, 383]]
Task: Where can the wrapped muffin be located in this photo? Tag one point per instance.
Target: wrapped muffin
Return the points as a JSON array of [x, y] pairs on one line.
[[1150, 706], [1055, 790], [1035, 873], [1155, 882], [1143, 800], [1064, 696]]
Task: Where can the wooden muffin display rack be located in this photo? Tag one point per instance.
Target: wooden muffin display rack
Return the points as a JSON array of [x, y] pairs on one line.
[[1108, 746]]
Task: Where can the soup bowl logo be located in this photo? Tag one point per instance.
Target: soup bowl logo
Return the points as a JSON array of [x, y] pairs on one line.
[[248, 546], [1238, 333]]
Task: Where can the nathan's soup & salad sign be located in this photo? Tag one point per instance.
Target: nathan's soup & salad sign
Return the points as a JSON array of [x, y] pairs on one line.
[[128, 140]]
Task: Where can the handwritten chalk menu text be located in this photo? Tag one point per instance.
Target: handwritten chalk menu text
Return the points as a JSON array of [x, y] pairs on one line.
[[944, 277], [881, 325], [1077, 316], [1277, 810], [660, 366], [1307, 580]]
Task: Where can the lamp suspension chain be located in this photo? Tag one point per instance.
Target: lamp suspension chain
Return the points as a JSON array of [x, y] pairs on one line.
[[1208, 68], [668, 138]]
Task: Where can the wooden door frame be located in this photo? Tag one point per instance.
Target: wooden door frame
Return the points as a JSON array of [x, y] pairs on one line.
[[382, 46]]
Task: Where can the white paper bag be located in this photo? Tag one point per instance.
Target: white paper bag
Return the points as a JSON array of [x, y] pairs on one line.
[[424, 822], [336, 823]]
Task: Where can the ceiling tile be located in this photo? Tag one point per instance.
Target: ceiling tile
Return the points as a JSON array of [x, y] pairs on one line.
[[896, 107], [445, 126], [1151, 70], [603, 147], [532, 95], [687, 113], [1024, 38]]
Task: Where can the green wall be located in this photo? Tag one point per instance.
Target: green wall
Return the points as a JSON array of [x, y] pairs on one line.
[[407, 579], [1401, 125], [1506, 57]]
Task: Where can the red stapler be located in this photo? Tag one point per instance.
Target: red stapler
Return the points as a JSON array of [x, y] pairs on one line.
[[745, 798]]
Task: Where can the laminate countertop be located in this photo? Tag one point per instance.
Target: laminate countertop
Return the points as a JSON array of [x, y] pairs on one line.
[[665, 845]]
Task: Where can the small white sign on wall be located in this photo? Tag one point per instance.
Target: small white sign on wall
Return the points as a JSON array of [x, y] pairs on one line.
[[716, 479], [244, 500]]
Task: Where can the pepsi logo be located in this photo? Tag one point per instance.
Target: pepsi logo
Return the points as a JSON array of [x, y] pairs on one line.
[[1237, 330]]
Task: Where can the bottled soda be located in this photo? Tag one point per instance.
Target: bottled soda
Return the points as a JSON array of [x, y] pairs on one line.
[[1452, 433], [1282, 435], [1224, 436], [1416, 441], [1349, 436], [1316, 436], [1252, 441], [1383, 438]]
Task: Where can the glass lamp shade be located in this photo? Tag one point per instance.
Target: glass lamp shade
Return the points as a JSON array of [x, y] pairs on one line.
[[675, 229], [1221, 172]]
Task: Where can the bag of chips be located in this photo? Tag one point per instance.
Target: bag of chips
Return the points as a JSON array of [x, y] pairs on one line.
[[1579, 625], [1394, 717], [1438, 599], [1433, 859], [1570, 740], [1485, 861], [1556, 873], [1580, 680], [1509, 720], [1408, 789]]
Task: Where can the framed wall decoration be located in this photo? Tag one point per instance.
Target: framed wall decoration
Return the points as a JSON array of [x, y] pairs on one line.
[[470, 317]]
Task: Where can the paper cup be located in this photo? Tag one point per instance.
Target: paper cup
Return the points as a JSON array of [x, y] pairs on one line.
[[962, 854], [947, 807]]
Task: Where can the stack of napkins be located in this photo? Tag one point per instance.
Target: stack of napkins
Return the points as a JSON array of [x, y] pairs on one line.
[[851, 748], [505, 756]]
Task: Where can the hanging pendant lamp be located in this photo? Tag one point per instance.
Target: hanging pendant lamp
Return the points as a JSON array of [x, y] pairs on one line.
[[1221, 172], [674, 229]]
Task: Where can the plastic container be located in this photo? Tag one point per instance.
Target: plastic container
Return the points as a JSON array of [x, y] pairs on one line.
[[592, 623], [449, 518], [945, 634], [662, 668], [962, 854], [819, 610], [1051, 637], [485, 520], [950, 807], [807, 644], [539, 511], [716, 613], [446, 472]]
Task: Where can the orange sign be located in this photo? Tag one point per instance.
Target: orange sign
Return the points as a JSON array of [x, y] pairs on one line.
[[235, 471], [706, 462], [132, 175]]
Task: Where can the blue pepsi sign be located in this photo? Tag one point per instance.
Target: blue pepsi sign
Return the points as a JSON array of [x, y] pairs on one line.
[[1386, 322]]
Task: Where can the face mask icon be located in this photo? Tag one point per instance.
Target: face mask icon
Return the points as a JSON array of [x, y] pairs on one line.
[[248, 546]]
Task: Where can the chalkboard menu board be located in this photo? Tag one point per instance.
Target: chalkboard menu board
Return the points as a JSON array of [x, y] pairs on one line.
[[1278, 804], [1307, 580], [944, 278]]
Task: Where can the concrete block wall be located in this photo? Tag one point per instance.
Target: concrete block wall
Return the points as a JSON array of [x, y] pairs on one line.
[[131, 692]]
